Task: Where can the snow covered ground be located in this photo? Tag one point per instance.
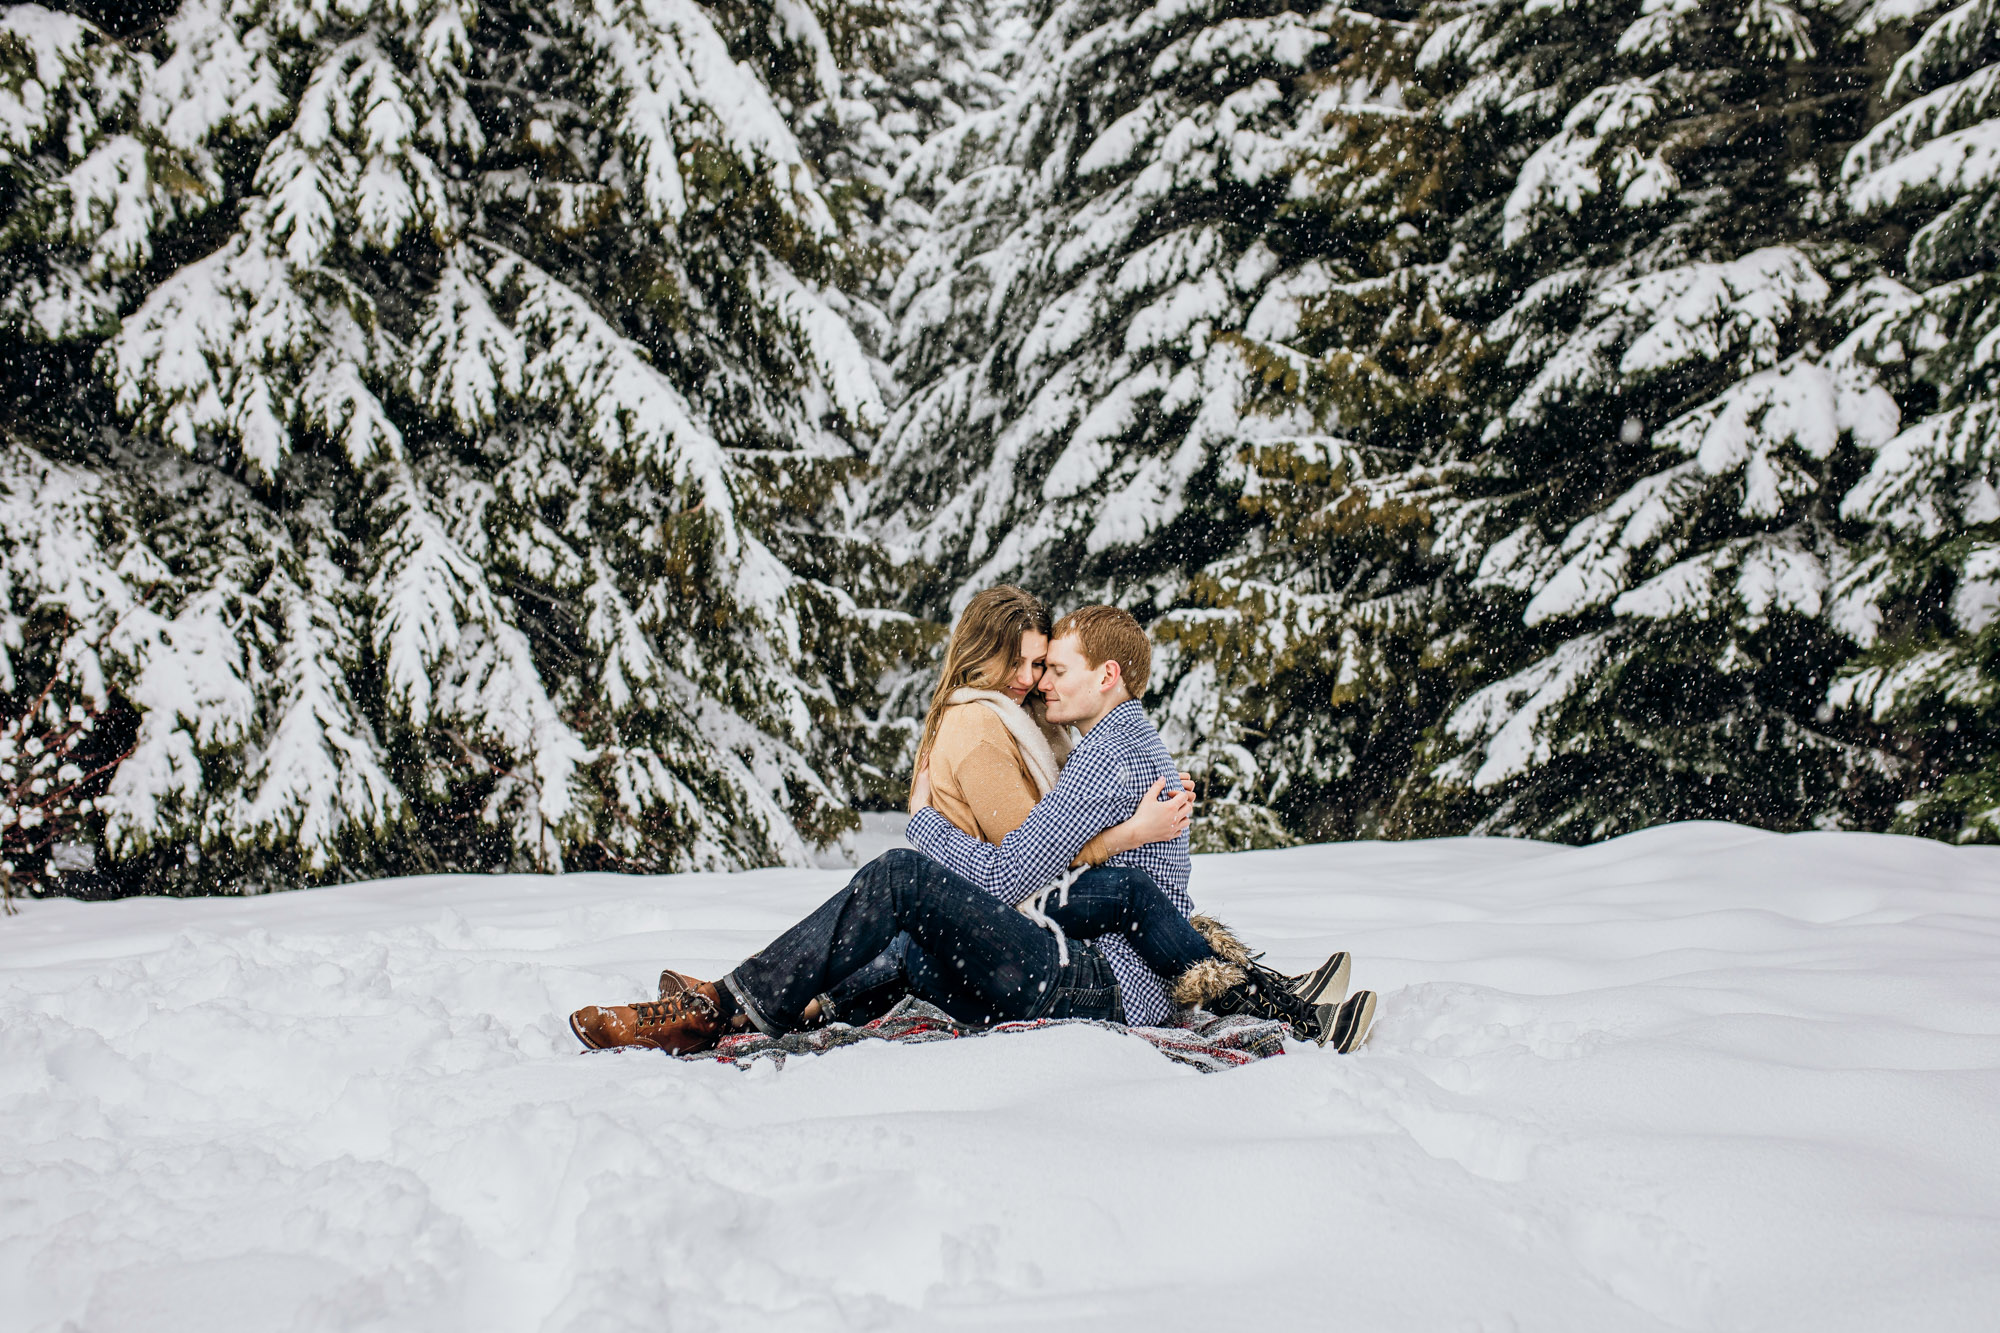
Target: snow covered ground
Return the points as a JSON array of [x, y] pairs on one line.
[[1697, 1078]]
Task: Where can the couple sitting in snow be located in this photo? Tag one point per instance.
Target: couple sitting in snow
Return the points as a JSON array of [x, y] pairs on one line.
[[1051, 878]]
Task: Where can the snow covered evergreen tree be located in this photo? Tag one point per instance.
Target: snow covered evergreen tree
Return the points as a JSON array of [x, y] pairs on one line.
[[1307, 654], [1924, 595], [1083, 266], [493, 434], [1123, 253], [1652, 535]]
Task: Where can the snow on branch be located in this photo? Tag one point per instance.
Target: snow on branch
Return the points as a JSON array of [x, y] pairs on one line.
[[1889, 690], [1928, 149], [1952, 109], [827, 341], [1510, 721], [212, 81], [1563, 172], [230, 346], [1963, 37], [1801, 405], [670, 74], [1773, 574], [1600, 550], [91, 182], [1937, 476], [466, 360], [318, 780], [1739, 309], [629, 409]]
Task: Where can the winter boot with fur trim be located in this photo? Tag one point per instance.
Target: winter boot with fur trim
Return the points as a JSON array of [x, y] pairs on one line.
[[689, 1020], [1223, 987], [1325, 984], [1257, 996]]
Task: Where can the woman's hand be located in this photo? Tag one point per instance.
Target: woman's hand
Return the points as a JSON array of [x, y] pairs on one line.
[[1155, 820]]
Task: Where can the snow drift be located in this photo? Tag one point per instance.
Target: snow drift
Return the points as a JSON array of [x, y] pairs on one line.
[[1697, 1077]]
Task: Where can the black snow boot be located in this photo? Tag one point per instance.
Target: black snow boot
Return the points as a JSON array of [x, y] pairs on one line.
[[1324, 985], [1232, 988]]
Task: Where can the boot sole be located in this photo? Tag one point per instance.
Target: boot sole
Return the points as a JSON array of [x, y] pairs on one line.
[[581, 1035], [1329, 977], [1351, 1024]]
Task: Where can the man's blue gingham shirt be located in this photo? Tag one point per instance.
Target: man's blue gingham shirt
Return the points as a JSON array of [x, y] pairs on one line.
[[1108, 772]]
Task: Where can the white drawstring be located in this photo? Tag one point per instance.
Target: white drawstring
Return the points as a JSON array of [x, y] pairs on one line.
[[1033, 907]]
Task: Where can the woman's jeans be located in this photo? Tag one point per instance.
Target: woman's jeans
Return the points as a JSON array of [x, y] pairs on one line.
[[960, 948]]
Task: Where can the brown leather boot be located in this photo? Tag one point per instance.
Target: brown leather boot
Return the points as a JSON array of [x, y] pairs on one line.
[[685, 1021], [673, 983]]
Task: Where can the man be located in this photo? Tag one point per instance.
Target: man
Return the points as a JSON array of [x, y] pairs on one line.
[[968, 949]]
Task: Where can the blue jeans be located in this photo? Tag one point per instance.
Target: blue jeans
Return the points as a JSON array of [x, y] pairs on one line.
[[960, 948]]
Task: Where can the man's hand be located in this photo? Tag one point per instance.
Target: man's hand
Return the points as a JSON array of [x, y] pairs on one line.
[[920, 787]]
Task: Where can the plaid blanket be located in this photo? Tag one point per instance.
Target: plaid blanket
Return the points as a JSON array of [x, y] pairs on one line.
[[1196, 1038]]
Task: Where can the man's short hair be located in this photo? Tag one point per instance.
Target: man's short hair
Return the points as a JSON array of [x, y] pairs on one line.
[[1109, 633]]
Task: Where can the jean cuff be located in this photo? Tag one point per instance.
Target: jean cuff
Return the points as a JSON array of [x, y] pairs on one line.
[[749, 1007]]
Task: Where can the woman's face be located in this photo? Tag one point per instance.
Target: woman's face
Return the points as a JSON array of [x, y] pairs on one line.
[[1028, 670]]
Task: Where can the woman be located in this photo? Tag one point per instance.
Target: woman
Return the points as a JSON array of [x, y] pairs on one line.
[[987, 751]]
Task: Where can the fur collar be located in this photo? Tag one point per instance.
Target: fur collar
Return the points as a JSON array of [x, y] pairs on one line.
[[1043, 745]]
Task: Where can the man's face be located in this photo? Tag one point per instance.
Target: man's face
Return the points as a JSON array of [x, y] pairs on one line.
[[1075, 690]]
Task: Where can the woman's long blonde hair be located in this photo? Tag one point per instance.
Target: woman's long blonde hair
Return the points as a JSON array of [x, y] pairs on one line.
[[990, 626]]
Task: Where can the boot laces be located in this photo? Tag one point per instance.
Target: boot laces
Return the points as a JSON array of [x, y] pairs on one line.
[[1276, 998], [674, 1009]]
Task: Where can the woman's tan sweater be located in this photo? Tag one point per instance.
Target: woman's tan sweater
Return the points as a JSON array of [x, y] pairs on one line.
[[981, 782]]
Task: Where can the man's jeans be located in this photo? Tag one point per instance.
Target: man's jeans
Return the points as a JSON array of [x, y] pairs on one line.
[[961, 948]]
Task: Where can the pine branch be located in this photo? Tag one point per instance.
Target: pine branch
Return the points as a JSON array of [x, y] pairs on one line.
[[1700, 131]]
